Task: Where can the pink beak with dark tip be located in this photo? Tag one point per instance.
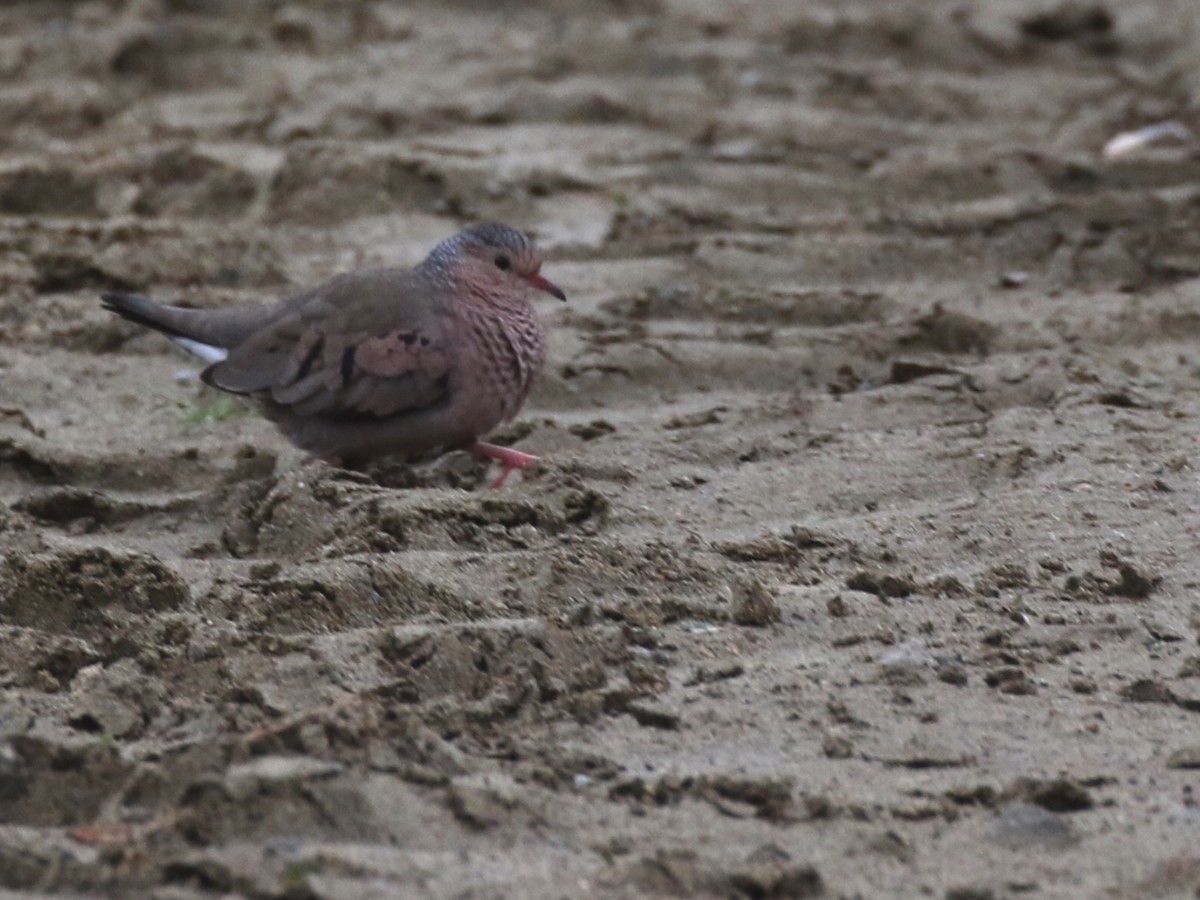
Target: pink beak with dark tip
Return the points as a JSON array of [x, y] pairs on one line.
[[549, 287]]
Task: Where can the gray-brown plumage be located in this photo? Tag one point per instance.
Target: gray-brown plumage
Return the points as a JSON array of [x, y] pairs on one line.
[[383, 361]]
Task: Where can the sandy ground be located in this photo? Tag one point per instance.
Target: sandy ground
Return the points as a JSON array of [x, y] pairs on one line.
[[863, 560]]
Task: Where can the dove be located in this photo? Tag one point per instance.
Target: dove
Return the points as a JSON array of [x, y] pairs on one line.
[[383, 361]]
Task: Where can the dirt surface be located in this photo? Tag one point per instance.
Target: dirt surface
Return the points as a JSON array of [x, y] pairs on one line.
[[863, 558]]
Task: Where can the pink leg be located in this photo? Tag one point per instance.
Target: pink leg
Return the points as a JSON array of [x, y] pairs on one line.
[[512, 459]]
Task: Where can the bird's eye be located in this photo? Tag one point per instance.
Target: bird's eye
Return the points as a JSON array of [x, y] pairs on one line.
[[503, 263]]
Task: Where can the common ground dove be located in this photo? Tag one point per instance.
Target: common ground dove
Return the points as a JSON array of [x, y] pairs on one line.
[[383, 361]]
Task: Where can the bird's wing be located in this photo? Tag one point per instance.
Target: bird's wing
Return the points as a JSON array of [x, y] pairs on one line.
[[368, 343]]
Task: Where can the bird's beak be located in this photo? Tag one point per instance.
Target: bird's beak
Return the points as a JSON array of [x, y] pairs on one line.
[[549, 287]]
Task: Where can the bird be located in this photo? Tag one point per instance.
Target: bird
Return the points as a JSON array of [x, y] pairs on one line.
[[383, 361]]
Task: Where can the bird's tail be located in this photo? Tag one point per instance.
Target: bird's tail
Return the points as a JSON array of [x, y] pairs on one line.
[[146, 312], [186, 327]]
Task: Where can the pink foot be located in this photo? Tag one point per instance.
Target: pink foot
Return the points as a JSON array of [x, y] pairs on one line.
[[512, 459]]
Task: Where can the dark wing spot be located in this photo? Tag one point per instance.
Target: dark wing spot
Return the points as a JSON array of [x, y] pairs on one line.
[[347, 366], [408, 337], [309, 360]]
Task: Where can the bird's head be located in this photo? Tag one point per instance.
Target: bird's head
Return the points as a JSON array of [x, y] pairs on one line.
[[493, 259]]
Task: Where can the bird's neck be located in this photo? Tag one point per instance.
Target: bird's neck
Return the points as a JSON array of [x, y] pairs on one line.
[[496, 298]]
